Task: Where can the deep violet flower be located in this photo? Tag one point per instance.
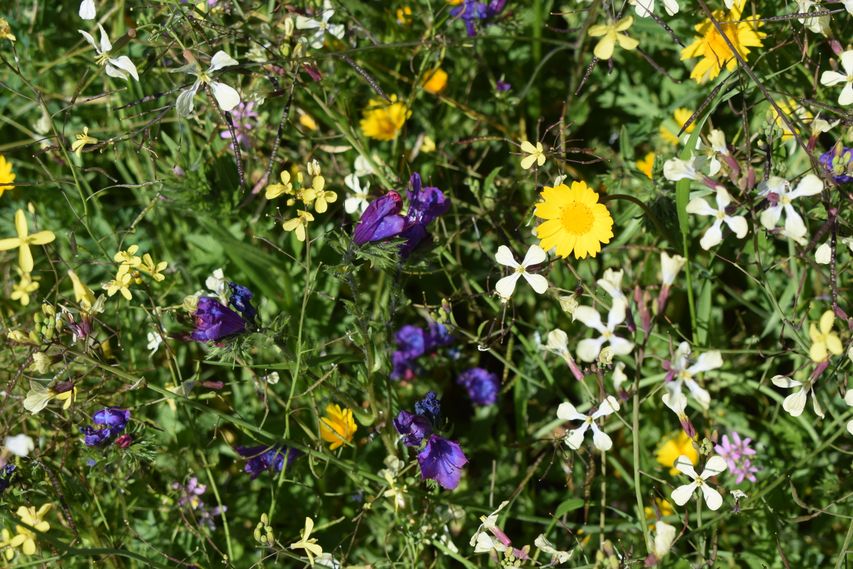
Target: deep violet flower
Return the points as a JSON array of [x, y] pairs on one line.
[[442, 460], [241, 299], [503, 86], [481, 384], [472, 11], [213, 321], [110, 422], [413, 428], [6, 474], [429, 407], [382, 219], [263, 458], [838, 162], [414, 342]]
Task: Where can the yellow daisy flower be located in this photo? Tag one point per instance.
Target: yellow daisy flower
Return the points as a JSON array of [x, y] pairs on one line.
[[338, 426], [435, 81], [672, 448], [712, 48], [574, 221], [7, 177], [382, 120]]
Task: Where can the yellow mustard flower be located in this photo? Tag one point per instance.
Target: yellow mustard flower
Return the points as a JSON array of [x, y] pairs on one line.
[[309, 545], [7, 176], [83, 139], [647, 164], [306, 120], [711, 47], [6, 31], [674, 447], [611, 34], [824, 340], [681, 116], [23, 241], [535, 154], [285, 187], [121, 283], [382, 120], [299, 223], [82, 294], [664, 507], [25, 286], [338, 426], [435, 81], [404, 16], [128, 257], [154, 270], [25, 538], [575, 222]]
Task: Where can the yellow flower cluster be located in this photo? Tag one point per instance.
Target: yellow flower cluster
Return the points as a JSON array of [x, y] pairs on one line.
[[130, 270], [310, 195], [24, 537], [22, 290]]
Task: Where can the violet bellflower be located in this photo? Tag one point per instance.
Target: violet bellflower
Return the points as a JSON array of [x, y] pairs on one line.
[[110, 422], [382, 219], [481, 384], [214, 321], [442, 460], [263, 458]]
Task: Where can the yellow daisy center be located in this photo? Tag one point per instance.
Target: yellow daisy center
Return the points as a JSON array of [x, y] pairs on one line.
[[577, 218]]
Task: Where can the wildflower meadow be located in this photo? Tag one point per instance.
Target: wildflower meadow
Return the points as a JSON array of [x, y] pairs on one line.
[[360, 284]]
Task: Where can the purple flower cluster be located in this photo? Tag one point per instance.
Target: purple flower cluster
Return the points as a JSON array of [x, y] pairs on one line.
[[481, 384], [191, 501], [736, 453], [110, 422], [244, 118], [382, 219], [263, 458], [473, 11], [6, 474], [838, 162], [414, 342], [440, 459]]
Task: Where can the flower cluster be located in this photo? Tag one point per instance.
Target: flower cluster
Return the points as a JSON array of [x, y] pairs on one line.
[[414, 342], [191, 502], [736, 453], [310, 195], [110, 423], [440, 459], [22, 243], [260, 459], [481, 384], [130, 268]]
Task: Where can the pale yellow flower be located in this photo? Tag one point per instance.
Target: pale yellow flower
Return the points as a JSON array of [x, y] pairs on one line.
[[610, 34], [824, 340], [535, 154], [309, 545], [23, 241], [298, 224], [83, 139]]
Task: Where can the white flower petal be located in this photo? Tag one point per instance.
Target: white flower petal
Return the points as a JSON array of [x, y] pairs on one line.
[[304, 23], [810, 185], [87, 9], [506, 286], [227, 97], [574, 438], [823, 254], [535, 256], [785, 382], [685, 466], [706, 362], [105, 40], [567, 412], [682, 494], [589, 317], [715, 466], [600, 439], [504, 257], [794, 226], [589, 349], [712, 497], [184, 104], [700, 206], [738, 225], [88, 37], [609, 406], [537, 282], [830, 78], [795, 403], [125, 67], [221, 59], [616, 314], [770, 216], [846, 96], [664, 536], [712, 237], [620, 346], [19, 445]]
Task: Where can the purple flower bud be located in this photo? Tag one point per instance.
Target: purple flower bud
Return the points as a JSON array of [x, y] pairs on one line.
[[112, 417], [502, 86], [481, 384], [429, 407], [96, 437], [241, 299], [213, 321], [414, 428], [442, 460], [381, 220]]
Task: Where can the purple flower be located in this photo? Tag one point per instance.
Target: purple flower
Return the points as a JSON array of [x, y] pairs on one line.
[[190, 500], [213, 321], [414, 428], [442, 460], [112, 417], [382, 220], [429, 407], [472, 11], [502, 86], [438, 335], [838, 161], [241, 299], [110, 422], [482, 385], [263, 458], [414, 342], [6, 474], [244, 118], [735, 453], [411, 341]]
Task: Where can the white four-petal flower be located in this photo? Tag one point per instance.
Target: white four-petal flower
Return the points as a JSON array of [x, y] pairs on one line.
[[780, 195], [226, 97], [358, 201], [683, 375], [645, 8], [715, 465], [535, 256], [714, 235], [796, 401], [830, 78], [574, 438], [119, 67], [589, 348], [321, 26]]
